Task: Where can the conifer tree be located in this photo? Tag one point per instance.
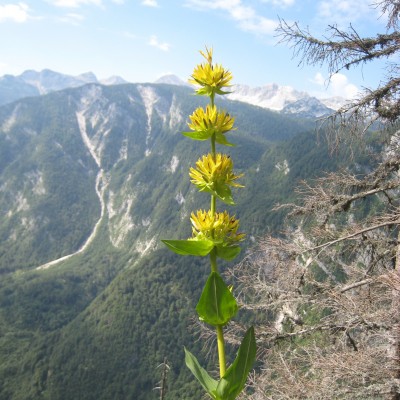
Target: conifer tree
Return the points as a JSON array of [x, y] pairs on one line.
[[331, 284]]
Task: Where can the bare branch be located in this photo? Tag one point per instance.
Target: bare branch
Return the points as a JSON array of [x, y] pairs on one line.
[[392, 9], [341, 50], [353, 234]]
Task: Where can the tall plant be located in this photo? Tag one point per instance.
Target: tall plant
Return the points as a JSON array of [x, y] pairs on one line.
[[215, 234]]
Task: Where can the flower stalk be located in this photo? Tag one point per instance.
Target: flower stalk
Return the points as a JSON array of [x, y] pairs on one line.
[[215, 233], [221, 350]]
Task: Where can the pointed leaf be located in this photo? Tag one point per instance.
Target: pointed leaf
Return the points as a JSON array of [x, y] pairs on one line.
[[217, 305], [224, 193], [196, 135], [234, 380], [222, 92], [204, 91], [208, 383], [221, 139], [228, 252], [190, 247]]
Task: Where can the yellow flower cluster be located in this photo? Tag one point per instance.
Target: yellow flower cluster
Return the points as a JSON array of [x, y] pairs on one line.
[[213, 172], [210, 121], [220, 227], [210, 77]]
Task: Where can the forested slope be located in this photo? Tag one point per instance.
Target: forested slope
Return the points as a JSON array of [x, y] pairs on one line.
[[100, 173]]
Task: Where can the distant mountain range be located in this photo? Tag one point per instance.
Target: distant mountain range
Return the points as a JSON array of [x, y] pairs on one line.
[[284, 99], [273, 97], [32, 83]]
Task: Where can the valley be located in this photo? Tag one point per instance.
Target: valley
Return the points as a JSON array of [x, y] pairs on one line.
[[91, 179]]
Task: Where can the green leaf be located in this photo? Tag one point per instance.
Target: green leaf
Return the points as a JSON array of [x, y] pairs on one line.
[[224, 193], [197, 135], [221, 139], [204, 91], [190, 247], [234, 380], [222, 92], [228, 252], [208, 383], [217, 305]]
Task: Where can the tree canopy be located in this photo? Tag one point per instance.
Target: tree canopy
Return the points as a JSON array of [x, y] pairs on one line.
[[345, 49]]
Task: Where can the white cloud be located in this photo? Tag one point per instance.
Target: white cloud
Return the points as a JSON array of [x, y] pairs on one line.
[[150, 3], [319, 79], [74, 3], [246, 16], [338, 85], [259, 25], [156, 43], [343, 12], [14, 12], [342, 87]]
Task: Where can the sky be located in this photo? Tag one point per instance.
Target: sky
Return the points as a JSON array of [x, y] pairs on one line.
[[142, 40]]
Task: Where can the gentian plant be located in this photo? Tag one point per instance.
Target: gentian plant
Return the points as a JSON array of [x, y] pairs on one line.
[[215, 234]]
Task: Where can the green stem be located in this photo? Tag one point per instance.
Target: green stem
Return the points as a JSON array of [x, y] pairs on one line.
[[213, 146], [221, 351], [213, 207], [213, 260], [213, 136], [220, 332], [214, 268]]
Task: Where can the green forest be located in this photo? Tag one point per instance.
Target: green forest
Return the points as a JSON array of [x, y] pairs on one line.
[[98, 324]]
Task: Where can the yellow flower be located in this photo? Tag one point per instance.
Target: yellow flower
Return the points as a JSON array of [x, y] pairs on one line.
[[210, 121], [207, 55], [215, 174], [210, 77], [221, 228]]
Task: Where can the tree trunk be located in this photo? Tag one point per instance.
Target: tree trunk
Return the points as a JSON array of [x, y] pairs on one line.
[[396, 325]]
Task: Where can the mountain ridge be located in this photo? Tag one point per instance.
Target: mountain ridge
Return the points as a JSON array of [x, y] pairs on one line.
[[271, 96]]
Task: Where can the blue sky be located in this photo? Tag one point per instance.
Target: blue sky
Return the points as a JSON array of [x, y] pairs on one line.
[[141, 40]]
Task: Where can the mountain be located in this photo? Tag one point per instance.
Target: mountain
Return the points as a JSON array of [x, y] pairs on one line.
[[33, 83], [47, 81], [334, 103], [113, 80], [172, 80], [13, 88], [272, 96], [307, 107], [91, 179], [287, 100], [82, 136], [284, 99]]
